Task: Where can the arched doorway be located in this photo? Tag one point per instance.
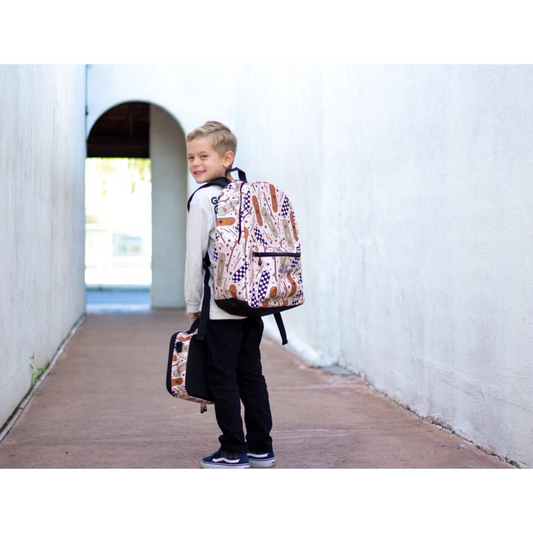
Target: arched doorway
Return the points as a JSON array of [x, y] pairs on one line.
[[141, 267]]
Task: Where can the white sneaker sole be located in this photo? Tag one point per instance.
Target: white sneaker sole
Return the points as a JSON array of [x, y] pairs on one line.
[[221, 465], [262, 463]]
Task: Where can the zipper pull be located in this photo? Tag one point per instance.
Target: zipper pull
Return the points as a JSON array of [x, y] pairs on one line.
[[203, 408]]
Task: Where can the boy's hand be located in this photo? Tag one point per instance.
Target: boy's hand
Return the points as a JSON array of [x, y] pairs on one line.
[[194, 316]]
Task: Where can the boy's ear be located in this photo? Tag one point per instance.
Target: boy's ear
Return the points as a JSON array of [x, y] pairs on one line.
[[229, 157]]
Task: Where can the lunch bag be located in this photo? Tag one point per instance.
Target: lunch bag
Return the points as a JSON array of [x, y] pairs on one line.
[[186, 376]]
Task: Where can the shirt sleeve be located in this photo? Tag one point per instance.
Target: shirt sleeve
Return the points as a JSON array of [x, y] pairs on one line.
[[198, 229]]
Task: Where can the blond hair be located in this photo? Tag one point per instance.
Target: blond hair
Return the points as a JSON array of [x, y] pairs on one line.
[[222, 139]]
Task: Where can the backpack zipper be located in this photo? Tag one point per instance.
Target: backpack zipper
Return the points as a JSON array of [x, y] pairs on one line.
[[276, 254]]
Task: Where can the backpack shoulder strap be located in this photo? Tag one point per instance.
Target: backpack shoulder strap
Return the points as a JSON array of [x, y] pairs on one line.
[[204, 315], [219, 181], [281, 327], [241, 173]]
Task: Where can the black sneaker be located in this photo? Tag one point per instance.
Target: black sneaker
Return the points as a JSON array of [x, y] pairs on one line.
[[262, 460], [222, 459]]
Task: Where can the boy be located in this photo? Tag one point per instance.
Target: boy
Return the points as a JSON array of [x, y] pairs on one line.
[[234, 370]]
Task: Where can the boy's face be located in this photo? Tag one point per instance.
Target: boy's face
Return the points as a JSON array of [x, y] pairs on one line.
[[205, 163]]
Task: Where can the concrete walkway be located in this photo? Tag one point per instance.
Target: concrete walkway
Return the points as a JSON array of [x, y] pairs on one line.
[[105, 405]]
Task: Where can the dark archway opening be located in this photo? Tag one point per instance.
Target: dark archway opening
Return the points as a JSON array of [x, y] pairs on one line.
[[123, 131], [118, 209]]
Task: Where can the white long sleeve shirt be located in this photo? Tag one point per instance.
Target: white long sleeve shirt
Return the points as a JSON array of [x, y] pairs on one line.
[[201, 228]]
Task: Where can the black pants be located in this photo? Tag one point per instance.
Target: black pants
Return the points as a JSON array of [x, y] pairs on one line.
[[234, 373]]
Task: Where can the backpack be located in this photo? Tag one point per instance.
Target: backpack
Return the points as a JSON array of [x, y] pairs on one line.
[[257, 255]]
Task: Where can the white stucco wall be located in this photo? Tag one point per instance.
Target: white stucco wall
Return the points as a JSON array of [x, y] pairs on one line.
[[169, 213], [443, 232], [190, 94], [411, 186], [279, 123], [42, 161]]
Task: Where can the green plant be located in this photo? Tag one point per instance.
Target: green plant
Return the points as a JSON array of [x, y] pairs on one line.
[[35, 373]]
